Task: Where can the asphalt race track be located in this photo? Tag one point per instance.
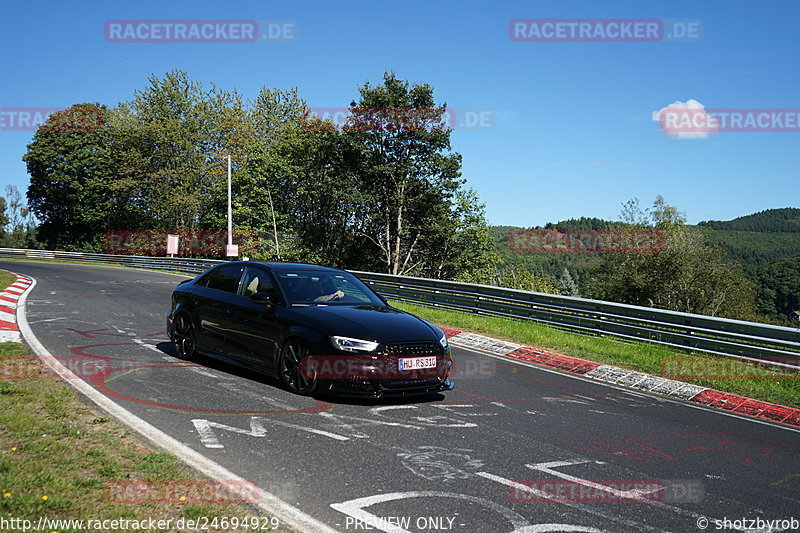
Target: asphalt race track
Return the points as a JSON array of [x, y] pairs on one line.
[[499, 453]]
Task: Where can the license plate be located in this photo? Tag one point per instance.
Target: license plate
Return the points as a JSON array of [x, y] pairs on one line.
[[415, 363]]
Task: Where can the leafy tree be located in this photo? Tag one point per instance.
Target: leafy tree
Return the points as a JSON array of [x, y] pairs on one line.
[[71, 189], [311, 177], [166, 136], [386, 193], [412, 177], [779, 291], [687, 274], [18, 225], [517, 277]]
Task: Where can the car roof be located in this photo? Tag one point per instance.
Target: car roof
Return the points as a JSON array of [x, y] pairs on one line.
[[291, 266]]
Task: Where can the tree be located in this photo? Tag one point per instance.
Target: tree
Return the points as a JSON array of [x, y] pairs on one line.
[[18, 225], [71, 176], [310, 174], [779, 288], [688, 274], [166, 139], [566, 284], [408, 169]]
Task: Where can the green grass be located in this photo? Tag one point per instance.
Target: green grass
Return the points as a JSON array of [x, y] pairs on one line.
[[6, 279], [60, 458], [639, 356]]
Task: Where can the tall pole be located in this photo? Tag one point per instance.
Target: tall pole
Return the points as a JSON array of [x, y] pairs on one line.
[[230, 215]]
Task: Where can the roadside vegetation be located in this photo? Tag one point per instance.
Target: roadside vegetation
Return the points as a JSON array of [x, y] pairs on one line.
[[783, 389], [381, 190], [62, 459]]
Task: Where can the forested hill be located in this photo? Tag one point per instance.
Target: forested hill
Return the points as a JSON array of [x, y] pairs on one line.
[[770, 220], [767, 244], [754, 239]]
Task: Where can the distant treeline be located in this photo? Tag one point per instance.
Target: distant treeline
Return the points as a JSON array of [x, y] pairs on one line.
[[770, 220], [768, 259]]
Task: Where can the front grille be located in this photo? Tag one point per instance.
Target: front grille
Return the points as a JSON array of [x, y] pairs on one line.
[[356, 383], [411, 383], [414, 349]]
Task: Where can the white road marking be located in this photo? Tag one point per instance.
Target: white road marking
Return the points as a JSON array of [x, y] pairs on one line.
[[547, 468], [205, 429], [522, 488], [451, 406], [202, 372], [339, 423], [561, 399], [435, 420]]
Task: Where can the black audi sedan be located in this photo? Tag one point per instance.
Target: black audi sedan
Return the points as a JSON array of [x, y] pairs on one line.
[[318, 329]]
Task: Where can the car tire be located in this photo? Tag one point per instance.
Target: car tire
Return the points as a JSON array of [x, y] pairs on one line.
[[290, 369], [183, 337]]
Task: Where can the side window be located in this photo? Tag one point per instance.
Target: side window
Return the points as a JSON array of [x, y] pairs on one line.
[[256, 280], [225, 278], [203, 282]]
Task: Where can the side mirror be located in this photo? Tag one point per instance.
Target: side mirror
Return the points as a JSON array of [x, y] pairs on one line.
[[264, 299]]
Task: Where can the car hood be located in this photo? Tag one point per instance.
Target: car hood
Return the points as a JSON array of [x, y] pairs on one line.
[[369, 322]]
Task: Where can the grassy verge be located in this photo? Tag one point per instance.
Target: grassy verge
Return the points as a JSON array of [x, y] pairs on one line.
[[61, 459], [653, 359]]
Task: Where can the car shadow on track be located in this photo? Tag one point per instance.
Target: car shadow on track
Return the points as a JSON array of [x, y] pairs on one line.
[[167, 348]]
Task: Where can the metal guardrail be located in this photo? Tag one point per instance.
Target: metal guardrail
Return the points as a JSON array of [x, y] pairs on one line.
[[765, 343], [168, 264]]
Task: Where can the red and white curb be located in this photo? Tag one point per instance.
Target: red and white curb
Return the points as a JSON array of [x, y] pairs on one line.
[[9, 331], [618, 376]]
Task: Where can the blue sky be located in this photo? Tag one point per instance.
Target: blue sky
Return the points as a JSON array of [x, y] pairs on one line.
[[573, 134]]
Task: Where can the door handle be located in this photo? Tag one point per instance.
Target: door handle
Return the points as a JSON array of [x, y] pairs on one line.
[[229, 310]]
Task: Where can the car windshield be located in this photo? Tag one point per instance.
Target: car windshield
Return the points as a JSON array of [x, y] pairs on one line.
[[311, 287]]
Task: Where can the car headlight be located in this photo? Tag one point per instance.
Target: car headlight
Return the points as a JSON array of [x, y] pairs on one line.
[[443, 341], [349, 344]]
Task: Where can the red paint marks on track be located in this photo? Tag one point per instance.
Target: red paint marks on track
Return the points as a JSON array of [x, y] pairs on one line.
[[560, 362], [98, 381], [714, 398], [748, 406]]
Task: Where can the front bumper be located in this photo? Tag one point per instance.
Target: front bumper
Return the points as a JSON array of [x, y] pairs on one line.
[[378, 376], [372, 388]]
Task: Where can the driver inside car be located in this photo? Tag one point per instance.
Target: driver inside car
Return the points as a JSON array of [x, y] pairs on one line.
[[328, 291]]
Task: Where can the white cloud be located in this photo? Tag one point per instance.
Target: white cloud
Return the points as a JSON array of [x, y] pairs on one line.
[[686, 120]]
